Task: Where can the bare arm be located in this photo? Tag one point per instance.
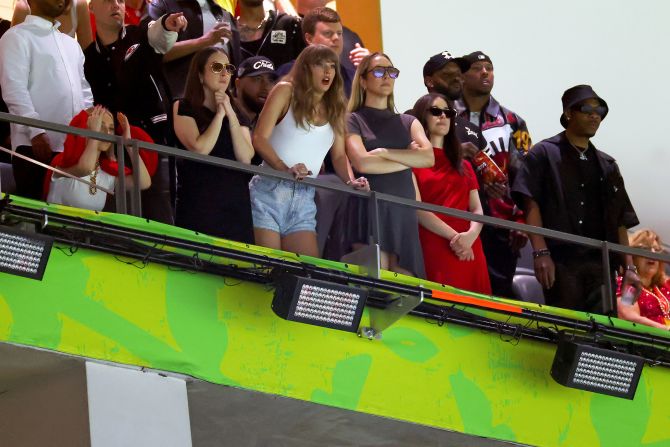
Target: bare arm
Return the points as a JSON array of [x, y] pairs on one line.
[[186, 47], [475, 207], [187, 131], [144, 177], [340, 161], [419, 154], [275, 108], [21, 11], [240, 135], [366, 162], [545, 271], [84, 32]]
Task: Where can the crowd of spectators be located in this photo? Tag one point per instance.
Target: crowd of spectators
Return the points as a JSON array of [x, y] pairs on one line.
[[267, 87]]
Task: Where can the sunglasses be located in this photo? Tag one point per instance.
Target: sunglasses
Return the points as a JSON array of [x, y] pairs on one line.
[[436, 111], [589, 109], [379, 72], [218, 67]]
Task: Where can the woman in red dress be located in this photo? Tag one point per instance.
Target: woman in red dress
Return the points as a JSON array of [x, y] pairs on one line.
[[452, 250], [653, 305]]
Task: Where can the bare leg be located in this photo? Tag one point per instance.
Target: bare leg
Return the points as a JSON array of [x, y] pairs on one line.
[[394, 267], [384, 256], [267, 238], [301, 242]]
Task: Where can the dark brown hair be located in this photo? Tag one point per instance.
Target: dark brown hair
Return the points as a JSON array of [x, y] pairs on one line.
[[302, 100], [452, 146], [317, 15], [193, 92]]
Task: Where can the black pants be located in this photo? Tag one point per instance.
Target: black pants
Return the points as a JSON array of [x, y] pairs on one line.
[[157, 202], [29, 177], [501, 260], [579, 281]]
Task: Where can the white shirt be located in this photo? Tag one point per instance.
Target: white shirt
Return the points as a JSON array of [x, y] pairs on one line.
[[70, 192], [42, 77]]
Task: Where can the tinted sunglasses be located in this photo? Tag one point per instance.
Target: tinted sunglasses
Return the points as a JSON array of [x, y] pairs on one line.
[[436, 111], [589, 109], [379, 72], [218, 67]]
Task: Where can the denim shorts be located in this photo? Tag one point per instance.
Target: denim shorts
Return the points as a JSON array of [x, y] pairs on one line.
[[282, 206]]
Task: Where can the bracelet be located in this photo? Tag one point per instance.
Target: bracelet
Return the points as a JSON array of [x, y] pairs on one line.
[[540, 253], [632, 268]]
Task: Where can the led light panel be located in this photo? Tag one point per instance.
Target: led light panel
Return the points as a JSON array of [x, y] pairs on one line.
[[23, 254]]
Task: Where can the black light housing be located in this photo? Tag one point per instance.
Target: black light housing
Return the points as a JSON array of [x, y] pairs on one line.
[[580, 365], [319, 303], [23, 253]]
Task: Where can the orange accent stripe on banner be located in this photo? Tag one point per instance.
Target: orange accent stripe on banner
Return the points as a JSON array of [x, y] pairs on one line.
[[475, 301]]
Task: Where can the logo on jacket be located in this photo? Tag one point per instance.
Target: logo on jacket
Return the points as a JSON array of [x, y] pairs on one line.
[[130, 51], [278, 36]]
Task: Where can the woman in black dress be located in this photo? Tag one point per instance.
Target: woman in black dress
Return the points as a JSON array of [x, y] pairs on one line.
[[384, 145], [212, 200]]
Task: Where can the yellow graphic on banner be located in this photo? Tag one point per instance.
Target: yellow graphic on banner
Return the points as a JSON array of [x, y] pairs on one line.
[[6, 319]]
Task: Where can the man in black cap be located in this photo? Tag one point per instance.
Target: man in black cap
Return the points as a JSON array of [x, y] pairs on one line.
[[507, 140], [566, 184], [255, 78], [442, 74]]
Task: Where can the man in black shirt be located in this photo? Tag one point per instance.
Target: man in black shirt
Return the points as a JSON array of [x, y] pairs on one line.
[[255, 78], [124, 67], [266, 33], [566, 184]]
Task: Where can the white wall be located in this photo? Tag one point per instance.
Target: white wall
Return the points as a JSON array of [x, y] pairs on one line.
[[541, 48]]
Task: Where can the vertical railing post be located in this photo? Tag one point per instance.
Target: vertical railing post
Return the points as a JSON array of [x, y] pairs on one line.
[[608, 299], [121, 184], [373, 218], [135, 195]]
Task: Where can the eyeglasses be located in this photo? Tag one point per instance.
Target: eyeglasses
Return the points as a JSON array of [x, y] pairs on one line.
[[436, 111], [589, 109], [379, 72], [218, 67]]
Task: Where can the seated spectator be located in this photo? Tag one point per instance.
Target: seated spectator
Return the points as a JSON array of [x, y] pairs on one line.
[[653, 305], [384, 146], [255, 78], [74, 21], [95, 161], [208, 25], [42, 77], [276, 36], [302, 120], [210, 199], [452, 250]]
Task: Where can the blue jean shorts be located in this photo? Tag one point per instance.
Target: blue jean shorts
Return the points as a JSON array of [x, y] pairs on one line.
[[282, 206]]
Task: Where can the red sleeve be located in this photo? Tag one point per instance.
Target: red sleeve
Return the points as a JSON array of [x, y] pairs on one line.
[[470, 176]]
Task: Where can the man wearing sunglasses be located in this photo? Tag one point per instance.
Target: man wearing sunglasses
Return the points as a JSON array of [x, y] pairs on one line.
[[507, 140], [566, 184], [442, 74]]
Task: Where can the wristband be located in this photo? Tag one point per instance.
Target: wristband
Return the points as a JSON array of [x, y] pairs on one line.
[[540, 253]]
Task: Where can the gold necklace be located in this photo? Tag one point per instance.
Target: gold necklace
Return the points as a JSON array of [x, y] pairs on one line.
[[92, 188], [663, 302], [246, 28]]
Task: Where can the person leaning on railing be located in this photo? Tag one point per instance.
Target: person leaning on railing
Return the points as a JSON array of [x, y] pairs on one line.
[[653, 305], [94, 161]]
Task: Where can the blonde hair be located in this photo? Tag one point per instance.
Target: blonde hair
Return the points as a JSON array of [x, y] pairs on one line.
[[648, 239], [357, 99], [302, 99]]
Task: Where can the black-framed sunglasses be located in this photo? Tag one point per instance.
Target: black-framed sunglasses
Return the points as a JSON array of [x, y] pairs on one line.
[[379, 72], [589, 109], [436, 111], [218, 67]]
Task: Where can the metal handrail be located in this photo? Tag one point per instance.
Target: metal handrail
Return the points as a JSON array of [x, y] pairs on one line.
[[372, 196]]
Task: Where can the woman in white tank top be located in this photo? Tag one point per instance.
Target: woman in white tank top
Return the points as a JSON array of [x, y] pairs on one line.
[[302, 120]]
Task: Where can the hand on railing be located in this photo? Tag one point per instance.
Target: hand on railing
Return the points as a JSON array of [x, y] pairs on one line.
[[299, 171], [361, 184]]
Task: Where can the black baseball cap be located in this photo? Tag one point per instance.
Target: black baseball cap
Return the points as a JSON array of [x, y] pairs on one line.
[[256, 65], [574, 95], [477, 56], [437, 62]]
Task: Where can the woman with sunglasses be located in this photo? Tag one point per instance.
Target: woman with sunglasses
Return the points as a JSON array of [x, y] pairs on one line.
[[302, 120], [384, 146], [653, 305], [452, 250], [210, 199]]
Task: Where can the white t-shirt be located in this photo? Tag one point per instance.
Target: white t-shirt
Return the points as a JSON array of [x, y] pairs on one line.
[[70, 192]]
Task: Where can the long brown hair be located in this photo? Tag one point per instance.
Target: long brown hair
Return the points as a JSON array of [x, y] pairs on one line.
[[194, 92], [357, 99], [648, 239], [303, 101], [452, 146]]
